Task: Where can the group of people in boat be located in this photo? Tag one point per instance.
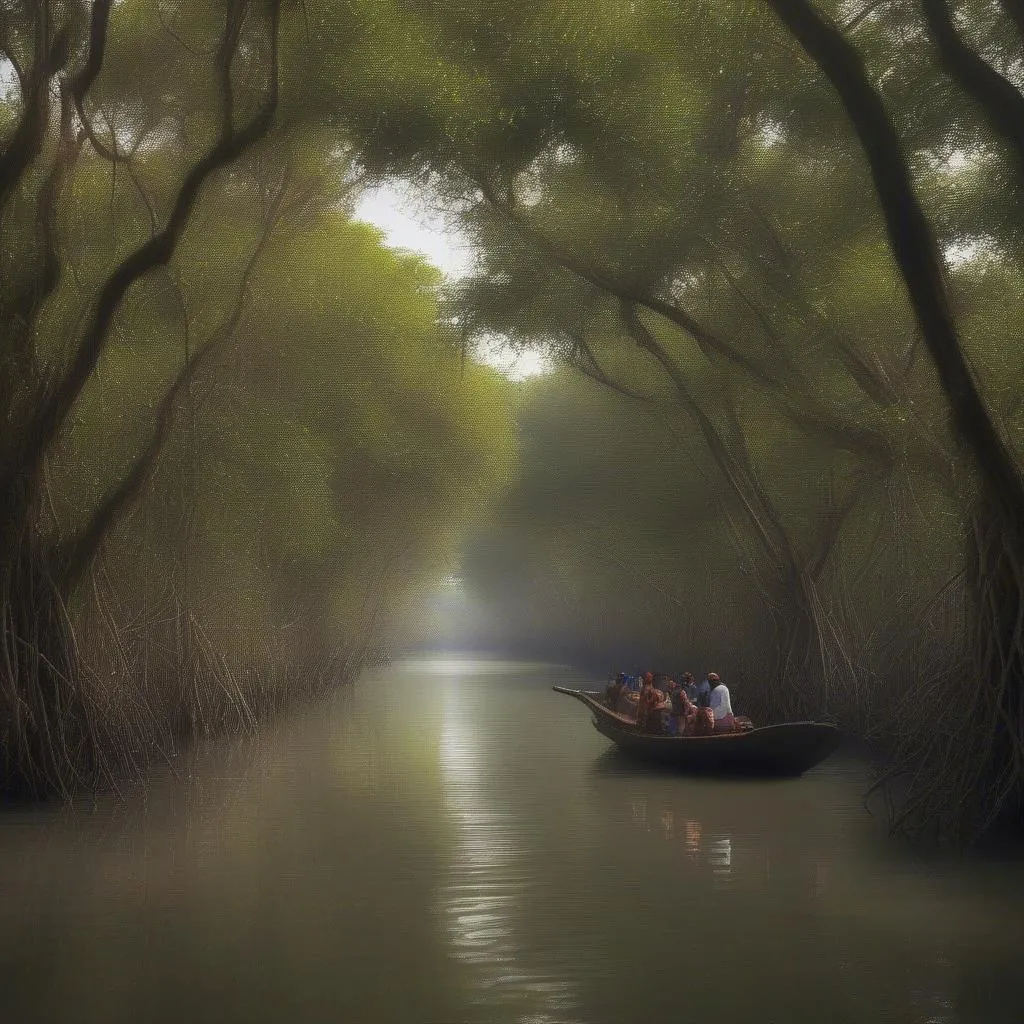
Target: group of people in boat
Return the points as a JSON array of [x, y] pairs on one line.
[[664, 706]]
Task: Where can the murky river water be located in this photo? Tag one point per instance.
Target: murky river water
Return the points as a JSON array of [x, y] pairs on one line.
[[455, 843]]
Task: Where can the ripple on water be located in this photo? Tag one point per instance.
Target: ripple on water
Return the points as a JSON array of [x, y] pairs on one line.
[[453, 842]]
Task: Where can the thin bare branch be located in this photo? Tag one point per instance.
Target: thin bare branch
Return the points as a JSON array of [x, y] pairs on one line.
[[709, 343], [79, 551], [865, 12], [25, 143], [761, 514], [590, 366]]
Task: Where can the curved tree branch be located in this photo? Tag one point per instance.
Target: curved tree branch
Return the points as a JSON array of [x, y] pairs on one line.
[[866, 11], [756, 504], [83, 81], [159, 249], [810, 413], [78, 551], [999, 99], [114, 156], [30, 296], [25, 143], [914, 246], [707, 340], [587, 363]]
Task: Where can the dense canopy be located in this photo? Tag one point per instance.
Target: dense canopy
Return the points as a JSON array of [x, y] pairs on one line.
[[772, 246]]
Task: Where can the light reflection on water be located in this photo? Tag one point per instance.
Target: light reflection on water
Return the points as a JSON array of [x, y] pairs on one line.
[[718, 852], [487, 883], [455, 844], [805, 881]]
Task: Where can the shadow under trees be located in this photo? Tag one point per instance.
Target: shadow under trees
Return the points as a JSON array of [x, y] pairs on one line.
[[969, 776]]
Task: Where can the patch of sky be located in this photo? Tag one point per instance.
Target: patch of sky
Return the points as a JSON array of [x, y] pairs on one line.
[[954, 161], [978, 249], [9, 90], [412, 221], [771, 133], [514, 363], [527, 186]]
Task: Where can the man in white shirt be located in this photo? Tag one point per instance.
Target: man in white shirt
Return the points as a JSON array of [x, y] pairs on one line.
[[720, 704]]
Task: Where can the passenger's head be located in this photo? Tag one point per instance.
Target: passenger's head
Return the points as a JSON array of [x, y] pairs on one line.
[[648, 677], [713, 678], [687, 677]]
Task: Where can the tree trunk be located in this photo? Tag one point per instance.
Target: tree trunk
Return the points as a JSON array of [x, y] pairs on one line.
[[986, 750]]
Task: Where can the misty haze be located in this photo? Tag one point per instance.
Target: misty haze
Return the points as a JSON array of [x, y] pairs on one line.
[[511, 512]]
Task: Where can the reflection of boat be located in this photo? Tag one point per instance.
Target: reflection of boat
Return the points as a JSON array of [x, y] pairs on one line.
[[787, 749]]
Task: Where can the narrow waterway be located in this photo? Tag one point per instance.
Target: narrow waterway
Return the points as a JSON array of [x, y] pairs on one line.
[[452, 842]]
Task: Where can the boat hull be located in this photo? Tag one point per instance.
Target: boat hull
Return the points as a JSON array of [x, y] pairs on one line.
[[773, 750]]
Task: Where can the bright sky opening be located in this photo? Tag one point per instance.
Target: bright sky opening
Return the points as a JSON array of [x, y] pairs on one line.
[[408, 223]]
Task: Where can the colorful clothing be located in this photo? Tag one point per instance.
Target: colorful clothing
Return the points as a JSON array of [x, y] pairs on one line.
[[683, 712], [647, 720], [681, 704], [704, 722]]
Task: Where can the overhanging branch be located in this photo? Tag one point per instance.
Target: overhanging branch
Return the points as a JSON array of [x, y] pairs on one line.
[[79, 550], [709, 343], [998, 98], [158, 250], [914, 246]]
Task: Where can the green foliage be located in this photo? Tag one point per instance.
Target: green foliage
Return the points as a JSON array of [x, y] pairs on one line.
[[330, 452], [278, 442], [689, 164], [667, 198]]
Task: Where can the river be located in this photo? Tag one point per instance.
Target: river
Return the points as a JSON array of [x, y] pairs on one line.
[[450, 842]]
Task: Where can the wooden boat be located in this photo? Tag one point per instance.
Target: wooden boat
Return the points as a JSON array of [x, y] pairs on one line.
[[788, 749]]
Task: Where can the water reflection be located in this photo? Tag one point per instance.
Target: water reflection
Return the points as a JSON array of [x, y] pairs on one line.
[[458, 847], [488, 885], [692, 837], [718, 854], [793, 862], [720, 859]]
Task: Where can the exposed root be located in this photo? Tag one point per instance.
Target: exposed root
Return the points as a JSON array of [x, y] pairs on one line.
[[85, 704]]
